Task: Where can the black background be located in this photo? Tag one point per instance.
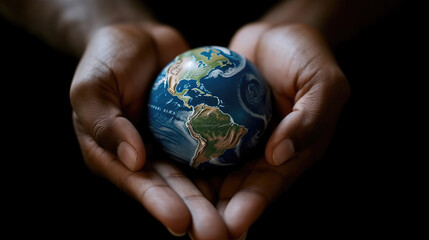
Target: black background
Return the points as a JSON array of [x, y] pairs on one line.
[[363, 186]]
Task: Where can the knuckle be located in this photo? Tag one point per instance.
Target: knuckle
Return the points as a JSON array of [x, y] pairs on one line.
[[144, 192], [99, 129], [125, 182], [102, 130], [125, 35]]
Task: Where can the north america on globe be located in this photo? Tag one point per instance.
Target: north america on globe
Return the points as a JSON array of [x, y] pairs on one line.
[[208, 107]]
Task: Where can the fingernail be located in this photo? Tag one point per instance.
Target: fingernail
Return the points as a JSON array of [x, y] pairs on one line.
[[127, 154], [176, 234], [283, 151], [243, 237]]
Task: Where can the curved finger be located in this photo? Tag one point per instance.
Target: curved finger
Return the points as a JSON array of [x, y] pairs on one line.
[[115, 133], [243, 200], [245, 196], [309, 87], [206, 221], [147, 187], [246, 39], [230, 186], [109, 87], [169, 42], [312, 121]]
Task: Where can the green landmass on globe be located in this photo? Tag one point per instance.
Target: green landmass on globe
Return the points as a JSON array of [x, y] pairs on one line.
[[193, 65], [215, 131], [205, 103]]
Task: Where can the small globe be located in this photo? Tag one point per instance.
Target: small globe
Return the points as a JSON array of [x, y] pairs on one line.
[[208, 107]]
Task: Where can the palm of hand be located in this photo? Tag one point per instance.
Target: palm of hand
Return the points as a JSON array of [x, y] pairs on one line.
[[309, 90], [108, 91]]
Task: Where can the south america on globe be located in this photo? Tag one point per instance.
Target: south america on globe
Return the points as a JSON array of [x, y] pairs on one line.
[[208, 107]]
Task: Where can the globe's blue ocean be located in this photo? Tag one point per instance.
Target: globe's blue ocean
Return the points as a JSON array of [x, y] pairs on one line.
[[236, 89]]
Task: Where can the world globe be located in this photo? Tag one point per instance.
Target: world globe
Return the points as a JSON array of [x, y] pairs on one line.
[[209, 107]]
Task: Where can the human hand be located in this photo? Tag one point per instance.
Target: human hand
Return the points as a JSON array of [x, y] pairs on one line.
[[105, 100], [107, 94], [309, 91]]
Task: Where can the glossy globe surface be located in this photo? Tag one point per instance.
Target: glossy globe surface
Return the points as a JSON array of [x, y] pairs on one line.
[[208, 107]]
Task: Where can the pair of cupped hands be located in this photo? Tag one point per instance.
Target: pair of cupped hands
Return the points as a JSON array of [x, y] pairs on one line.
[[108, 96]]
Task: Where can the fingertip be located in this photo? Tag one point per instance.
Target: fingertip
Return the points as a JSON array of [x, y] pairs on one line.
[[163, 203], [242, 211], [130, 147], [282, 144], [283, 151], [244, 236], [175, 234], [129, 156], [206, 221], [178, 221]]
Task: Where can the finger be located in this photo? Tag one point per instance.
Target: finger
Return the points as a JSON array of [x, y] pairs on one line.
[[169, 42], [230, 186], [112, 131], [246, 39], [308, 122], [312, 121], [245, 197], [110, 79], [206, 221], [308, 86], [147, 187]]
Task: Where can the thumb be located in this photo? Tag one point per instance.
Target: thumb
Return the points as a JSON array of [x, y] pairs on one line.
[[310, 125], [109, 86], [105, 123], [118, 134]]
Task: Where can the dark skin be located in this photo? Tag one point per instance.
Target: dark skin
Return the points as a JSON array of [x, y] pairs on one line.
[[314, 81], [118, 61]]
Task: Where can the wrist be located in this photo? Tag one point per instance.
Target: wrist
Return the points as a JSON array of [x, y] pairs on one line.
[[69, 24], [80, 20], [337, 20]]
